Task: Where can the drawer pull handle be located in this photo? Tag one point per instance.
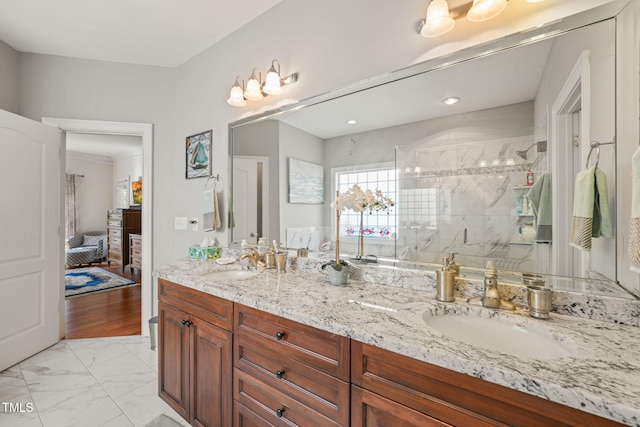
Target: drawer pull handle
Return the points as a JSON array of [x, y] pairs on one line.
[[279, 374], [280, 412], [279, 335], [187, 323]]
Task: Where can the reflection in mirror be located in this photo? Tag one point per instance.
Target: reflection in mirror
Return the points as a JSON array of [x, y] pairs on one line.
[[461, 175]]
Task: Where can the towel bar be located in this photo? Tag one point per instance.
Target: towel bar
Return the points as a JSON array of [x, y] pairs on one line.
[[596, 145]]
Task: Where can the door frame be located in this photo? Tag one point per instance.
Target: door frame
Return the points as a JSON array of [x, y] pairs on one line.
[[575, 91], [145, 131]]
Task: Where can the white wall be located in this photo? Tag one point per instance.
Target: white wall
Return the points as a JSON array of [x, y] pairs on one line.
[[128, 166], [54, 86], [96, 189], [8, 78], [299, 145]]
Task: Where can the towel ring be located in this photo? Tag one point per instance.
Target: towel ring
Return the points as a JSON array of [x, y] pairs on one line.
[[597, 147]]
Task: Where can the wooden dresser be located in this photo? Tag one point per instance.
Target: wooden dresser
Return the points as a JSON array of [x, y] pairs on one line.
[[120, 224], [135, 251]]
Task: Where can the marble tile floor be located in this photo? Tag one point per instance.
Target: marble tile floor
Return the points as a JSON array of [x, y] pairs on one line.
[[86, 383]]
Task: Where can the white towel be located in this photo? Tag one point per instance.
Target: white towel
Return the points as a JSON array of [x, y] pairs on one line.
[[634, 229], [210, 211]]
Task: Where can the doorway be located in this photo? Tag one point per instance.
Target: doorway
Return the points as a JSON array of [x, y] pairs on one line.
[[145, 131]]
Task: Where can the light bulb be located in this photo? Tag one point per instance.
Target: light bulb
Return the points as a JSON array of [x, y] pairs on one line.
[[483, 10], [236, 97], [438, 20]]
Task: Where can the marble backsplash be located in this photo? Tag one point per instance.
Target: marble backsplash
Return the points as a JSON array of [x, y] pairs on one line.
[[588, 306]]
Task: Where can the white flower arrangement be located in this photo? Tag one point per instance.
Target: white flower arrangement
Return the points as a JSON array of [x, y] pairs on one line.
[[359, 201]]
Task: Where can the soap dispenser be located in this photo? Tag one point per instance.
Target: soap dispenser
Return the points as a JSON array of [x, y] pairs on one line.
[[445, 282], [452, 264]]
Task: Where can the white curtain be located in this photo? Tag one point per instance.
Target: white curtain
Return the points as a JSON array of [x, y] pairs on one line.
[[71, 206]]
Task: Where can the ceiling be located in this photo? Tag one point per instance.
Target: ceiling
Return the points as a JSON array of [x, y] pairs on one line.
[[148, 32]]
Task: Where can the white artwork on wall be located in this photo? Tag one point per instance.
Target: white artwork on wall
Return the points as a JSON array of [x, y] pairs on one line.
[[306, 182], [122, 192]]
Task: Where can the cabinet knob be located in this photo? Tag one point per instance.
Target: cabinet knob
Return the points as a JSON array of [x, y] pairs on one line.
[[279, 335], [279, 374], [280, 412], [187, 323]]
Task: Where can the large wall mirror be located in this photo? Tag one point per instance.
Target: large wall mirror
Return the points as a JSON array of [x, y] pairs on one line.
[[461, 175]]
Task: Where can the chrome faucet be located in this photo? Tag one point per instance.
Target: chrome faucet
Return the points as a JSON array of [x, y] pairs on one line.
[[491, 298], [253, 255]]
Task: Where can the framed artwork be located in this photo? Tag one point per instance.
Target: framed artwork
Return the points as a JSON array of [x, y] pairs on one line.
[[136, 192], [306, 182], [198, 155], [122, 192]]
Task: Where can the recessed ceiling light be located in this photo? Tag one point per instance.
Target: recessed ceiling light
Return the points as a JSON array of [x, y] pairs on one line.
[[451, 100], [352, 122]]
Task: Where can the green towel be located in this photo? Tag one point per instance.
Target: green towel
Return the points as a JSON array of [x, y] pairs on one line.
[[540, 196], [590, 209]]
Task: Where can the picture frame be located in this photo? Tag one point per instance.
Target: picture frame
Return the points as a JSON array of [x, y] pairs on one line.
[[306, 182], [122, 192], [198, 155], [136, 193]]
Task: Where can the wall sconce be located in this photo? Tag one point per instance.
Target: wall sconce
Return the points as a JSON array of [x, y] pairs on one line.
[[441, 20], [236, 97], [256, 90]]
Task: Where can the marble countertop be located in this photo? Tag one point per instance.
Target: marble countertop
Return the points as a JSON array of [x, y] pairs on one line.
[[602, 375]]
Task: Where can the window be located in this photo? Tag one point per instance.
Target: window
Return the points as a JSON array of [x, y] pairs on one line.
[[380, 225]]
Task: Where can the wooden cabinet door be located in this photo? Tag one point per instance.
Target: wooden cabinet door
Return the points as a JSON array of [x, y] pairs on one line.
[[371, 410], [211, 375], [173, 358]]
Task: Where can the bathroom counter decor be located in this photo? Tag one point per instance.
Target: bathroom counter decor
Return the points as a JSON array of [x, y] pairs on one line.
[[600, 376]]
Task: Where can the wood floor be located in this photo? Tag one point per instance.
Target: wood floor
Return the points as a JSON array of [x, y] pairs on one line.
[[105, 314]]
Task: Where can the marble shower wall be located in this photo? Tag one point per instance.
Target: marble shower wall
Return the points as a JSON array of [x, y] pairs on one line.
[[475, 178]]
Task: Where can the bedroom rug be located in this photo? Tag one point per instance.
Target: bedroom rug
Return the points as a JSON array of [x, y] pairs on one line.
[[81, 281]]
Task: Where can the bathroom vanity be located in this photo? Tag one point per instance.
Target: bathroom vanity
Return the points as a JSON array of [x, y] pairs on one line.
[[290, 349]]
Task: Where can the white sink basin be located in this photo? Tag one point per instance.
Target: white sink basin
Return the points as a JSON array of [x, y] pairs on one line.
[[517, 338], [231, 274]]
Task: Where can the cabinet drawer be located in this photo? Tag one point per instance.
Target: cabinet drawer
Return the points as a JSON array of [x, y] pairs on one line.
[[371, 410], [114, 214], [136, 253], [207, 307], [115, 241], [245, 417], [117, 223], [115, 232], [273, 406], [136, 244], [263, 359], [136, 262], [319, 349], [115, 256]]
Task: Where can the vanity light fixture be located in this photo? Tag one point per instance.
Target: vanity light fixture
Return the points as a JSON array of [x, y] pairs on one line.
[[272, 84], [255, 90], [236, 97], [352, 122], [451, 100], [440, 20]]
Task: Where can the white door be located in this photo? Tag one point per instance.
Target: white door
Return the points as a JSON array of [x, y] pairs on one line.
[[250, 198], [31, 296]]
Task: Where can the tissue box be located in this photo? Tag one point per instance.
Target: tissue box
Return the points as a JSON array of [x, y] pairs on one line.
[[198, 252]]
